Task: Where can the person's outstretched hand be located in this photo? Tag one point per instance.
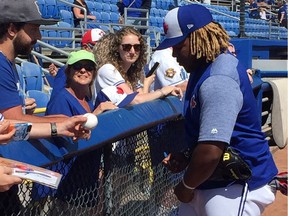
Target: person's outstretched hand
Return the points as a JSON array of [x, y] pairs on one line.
[[172, 90], [6, 134], [72, 127], [104, 106]]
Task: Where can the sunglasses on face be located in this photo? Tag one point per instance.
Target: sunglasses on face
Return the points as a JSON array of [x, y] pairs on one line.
[[127, 47], [87, 66]]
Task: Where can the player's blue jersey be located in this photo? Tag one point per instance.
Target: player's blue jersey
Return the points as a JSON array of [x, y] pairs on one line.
[[220, 106]]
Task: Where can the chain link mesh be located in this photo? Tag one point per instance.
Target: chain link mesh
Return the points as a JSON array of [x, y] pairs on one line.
[[124, 178]]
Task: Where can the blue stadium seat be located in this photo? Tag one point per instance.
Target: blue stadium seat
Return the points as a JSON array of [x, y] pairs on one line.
[[64, 33], [160, 21], [90, 5], [158, 4], [164, 4], [114, 8], [51, 9], [33, 77], [67, 16], [63, 6], [153, 21], [41, 99], [114, 17], [104, 28], [162, 12], [52, 33], [42, 8], [98, 7], [105, 17], [98, 16], [106, 7], [154, 12]]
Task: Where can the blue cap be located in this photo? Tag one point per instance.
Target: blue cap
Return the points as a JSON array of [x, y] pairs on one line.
[[181, 21]]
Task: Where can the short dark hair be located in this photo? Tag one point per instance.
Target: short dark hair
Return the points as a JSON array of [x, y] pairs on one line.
[[4, 27]]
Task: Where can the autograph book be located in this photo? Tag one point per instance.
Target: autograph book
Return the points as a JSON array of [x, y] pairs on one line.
[[33, 173]]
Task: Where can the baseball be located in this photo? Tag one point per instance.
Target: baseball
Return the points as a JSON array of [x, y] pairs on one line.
[[91, 122]]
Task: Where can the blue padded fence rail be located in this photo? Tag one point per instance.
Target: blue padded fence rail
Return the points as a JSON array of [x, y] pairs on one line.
[[112, 125], [274, 74]]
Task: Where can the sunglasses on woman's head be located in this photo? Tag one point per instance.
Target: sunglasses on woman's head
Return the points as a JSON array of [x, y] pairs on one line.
[[127, 47], [87, 66]]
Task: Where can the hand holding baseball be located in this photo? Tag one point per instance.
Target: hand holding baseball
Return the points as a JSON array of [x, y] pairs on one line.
[[91, 122]]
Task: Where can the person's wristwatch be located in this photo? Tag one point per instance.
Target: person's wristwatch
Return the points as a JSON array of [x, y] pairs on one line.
[[53, 129]]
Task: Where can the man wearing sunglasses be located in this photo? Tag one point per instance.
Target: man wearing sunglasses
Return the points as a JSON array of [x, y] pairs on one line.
[[88, 41]]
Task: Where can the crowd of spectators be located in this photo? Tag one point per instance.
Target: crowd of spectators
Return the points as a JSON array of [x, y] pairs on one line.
[[269, 10], [112, 59]]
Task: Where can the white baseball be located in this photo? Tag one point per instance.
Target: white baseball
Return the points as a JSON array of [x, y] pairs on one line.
[[91, 122]]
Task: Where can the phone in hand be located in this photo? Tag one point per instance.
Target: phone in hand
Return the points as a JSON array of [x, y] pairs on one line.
[[153, 69], [22, 131]]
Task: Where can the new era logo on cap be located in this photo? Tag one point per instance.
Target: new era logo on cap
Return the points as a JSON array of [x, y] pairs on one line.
[[181, 21], [116, 95]]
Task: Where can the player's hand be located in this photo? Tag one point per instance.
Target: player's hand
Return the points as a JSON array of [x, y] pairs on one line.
[[30, 105], [183, 194], [6, 179], [72, 127], [175, 162], [6, 134]]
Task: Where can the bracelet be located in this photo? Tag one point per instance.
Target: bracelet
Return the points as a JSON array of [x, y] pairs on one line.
[[186, 186], [53, 129], [162, 93]]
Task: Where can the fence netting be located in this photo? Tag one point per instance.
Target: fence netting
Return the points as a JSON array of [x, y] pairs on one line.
[[122, 177]]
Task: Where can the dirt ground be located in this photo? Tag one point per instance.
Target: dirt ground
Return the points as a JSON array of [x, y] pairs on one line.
[[279, 207]]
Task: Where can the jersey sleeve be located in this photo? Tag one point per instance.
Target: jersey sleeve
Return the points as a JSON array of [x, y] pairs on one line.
[[108, 75], [221, 100]]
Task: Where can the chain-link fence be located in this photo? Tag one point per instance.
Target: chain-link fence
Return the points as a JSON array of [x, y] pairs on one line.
[[124, 177]]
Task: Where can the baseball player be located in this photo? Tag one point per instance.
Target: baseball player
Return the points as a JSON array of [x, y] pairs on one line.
[[220, 112]]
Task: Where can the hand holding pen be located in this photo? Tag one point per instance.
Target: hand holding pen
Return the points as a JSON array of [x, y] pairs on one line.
[[175, 162]]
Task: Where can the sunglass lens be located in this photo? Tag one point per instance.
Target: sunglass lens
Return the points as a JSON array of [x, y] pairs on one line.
[[127, 47], [79, 66], [137, 47]]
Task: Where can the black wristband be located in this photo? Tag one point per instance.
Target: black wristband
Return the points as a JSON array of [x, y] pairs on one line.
[[53, 129]]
